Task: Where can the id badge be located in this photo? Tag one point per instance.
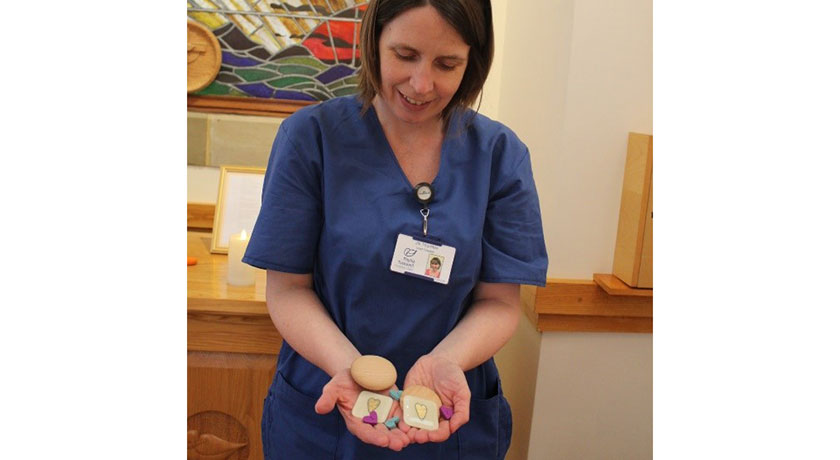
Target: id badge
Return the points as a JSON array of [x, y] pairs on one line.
[[421, 258]]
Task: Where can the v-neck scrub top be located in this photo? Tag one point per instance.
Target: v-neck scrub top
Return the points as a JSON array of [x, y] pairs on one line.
[[334, 201]]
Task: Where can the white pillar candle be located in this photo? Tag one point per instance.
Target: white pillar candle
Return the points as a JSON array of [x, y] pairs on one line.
[[239, 273]]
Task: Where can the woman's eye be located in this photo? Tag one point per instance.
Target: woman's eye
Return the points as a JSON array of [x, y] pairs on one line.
[[445, 66], [405, 57]]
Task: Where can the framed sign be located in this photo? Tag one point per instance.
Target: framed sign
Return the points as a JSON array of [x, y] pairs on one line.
[[238, 204]]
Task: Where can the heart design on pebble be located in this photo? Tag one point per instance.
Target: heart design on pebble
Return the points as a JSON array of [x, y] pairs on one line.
[[373, 419], [421, 410], [373, 403]]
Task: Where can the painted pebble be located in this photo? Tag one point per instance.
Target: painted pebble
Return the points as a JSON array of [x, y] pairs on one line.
[[369, 401], [446, 412], [420, 406]]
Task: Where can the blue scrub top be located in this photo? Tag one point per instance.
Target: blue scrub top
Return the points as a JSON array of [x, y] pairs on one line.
[[334, 201]]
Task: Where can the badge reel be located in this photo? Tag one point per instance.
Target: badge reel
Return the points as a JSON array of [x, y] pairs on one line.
[[423, 257], [423, 194]]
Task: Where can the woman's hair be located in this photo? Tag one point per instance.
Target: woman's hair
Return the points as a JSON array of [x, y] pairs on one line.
[[434, 260], [472, 19]]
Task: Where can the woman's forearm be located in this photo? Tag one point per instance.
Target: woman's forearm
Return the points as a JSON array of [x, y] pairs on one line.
[[487, 326], [303, 322]]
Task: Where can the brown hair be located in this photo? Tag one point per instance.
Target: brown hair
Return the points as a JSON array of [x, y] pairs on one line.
[[472, 19]]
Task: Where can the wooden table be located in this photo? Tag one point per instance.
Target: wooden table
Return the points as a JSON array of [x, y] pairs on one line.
[[231, 355]]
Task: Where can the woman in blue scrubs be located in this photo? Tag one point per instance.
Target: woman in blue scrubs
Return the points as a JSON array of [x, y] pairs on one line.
[[346, 234]]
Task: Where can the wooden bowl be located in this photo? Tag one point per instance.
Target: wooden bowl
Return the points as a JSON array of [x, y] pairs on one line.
[[204, 56]]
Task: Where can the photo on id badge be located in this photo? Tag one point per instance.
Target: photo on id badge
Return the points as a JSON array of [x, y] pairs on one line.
[[433, 266]]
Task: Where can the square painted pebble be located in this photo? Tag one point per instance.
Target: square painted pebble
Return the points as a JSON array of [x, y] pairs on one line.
[[369, 401]]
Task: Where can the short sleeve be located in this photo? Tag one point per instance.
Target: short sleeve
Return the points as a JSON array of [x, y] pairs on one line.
[[513, 245], [287, 230]]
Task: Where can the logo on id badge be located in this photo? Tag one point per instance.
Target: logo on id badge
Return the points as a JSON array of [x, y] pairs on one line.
[[423, 259]]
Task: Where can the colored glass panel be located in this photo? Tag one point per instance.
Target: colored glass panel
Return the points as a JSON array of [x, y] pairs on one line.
[[296, 70], [216, 89], [352, 80], [295, 95], [310, 59], [255, 74], [345, 91], [238, 61], [334, 73], [319, 95], [288, 81]]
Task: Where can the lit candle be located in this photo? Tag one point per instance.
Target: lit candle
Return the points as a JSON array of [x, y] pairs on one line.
[[239, 273]]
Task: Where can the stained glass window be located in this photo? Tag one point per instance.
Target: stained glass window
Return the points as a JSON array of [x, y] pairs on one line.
[[306, 50]]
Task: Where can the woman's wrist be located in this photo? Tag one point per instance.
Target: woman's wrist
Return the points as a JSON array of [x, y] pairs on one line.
[[342, 361], [445, 355]]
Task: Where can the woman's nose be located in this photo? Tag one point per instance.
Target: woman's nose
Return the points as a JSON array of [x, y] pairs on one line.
[[421, 80]]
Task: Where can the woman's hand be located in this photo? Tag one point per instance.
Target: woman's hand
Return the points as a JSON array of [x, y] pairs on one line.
[[447, 380], [342, 391]]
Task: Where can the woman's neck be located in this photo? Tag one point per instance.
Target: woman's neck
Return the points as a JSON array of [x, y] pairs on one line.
[[417, 147]]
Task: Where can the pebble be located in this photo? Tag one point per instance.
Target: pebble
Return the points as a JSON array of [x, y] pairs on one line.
[[373, 372]]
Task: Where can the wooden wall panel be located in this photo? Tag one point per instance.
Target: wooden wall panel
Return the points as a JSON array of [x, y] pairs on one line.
[[232, 333], [225, 393], [635, 197]]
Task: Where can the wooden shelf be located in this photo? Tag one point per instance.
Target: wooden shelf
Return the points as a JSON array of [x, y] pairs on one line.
[[584, 306], [614, 286], [244, 105]]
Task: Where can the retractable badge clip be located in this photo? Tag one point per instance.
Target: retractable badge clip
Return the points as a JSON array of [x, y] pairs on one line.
[[423, 193]]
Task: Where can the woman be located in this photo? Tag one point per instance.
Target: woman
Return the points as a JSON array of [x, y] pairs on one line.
[[434, 268], [340, 214]]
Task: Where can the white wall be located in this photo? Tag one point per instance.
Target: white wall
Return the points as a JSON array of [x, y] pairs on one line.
[[594, 397], [576, 78], [202, 184], [491, 94]]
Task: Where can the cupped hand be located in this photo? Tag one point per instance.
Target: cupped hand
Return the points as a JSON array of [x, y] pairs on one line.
[[447, 380], [342, 391]]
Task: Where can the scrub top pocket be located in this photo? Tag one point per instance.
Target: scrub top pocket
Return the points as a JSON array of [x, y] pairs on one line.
[[487, 435], [291, 427]]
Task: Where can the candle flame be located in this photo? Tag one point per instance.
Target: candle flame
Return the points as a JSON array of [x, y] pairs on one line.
[[243, 235]]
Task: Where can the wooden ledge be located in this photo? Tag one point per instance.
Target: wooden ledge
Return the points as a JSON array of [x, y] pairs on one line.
[[614, 286], [200, 215], [245, 105], [583, 306]]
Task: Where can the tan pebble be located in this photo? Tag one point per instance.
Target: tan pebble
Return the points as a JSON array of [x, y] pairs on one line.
[[373, 372]]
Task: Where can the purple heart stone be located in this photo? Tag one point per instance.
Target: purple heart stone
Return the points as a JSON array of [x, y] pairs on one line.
[[373, 419], [446, 412]]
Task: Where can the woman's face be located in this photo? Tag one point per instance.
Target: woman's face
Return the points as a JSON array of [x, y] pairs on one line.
[[435, 266], [422, 60]]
